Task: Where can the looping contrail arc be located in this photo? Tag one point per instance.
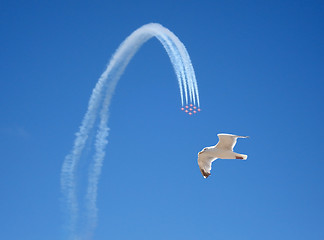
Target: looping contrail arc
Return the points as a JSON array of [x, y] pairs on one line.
[[100, 99]]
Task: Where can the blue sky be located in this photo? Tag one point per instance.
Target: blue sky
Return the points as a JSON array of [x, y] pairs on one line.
[[259, 66]]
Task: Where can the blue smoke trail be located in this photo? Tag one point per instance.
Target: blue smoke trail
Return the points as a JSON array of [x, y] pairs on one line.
[[101, 96]]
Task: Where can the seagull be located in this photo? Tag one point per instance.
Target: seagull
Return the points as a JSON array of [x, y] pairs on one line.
[[223, 150]]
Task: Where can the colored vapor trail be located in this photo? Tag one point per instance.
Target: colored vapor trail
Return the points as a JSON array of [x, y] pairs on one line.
[[98, 105]]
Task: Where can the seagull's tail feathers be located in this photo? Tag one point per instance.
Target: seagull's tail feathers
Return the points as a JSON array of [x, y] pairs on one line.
[[241, 156]]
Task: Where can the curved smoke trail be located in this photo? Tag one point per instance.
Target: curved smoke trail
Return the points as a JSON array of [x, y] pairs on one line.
[[101, 96]]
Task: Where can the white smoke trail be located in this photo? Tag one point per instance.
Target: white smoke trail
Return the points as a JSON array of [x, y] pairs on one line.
[[101, 96]]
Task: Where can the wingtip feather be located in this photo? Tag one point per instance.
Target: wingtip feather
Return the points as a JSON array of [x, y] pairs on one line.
[[204, 173]]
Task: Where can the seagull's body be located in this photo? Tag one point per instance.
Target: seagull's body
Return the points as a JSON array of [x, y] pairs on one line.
[[223, 150]]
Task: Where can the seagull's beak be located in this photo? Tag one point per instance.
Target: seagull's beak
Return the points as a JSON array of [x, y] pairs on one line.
[[243, 136]]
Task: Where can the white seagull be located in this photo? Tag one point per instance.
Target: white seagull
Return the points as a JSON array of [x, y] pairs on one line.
[[223, 150]]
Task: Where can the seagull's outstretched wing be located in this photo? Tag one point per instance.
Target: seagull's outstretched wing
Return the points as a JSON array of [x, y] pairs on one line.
[[227, 141], [205, 162]]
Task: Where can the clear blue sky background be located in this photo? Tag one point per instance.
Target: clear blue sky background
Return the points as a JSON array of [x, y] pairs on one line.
[[259, 66]]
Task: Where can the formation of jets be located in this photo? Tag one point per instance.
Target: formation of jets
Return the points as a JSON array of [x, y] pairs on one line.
[[190, 109]]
